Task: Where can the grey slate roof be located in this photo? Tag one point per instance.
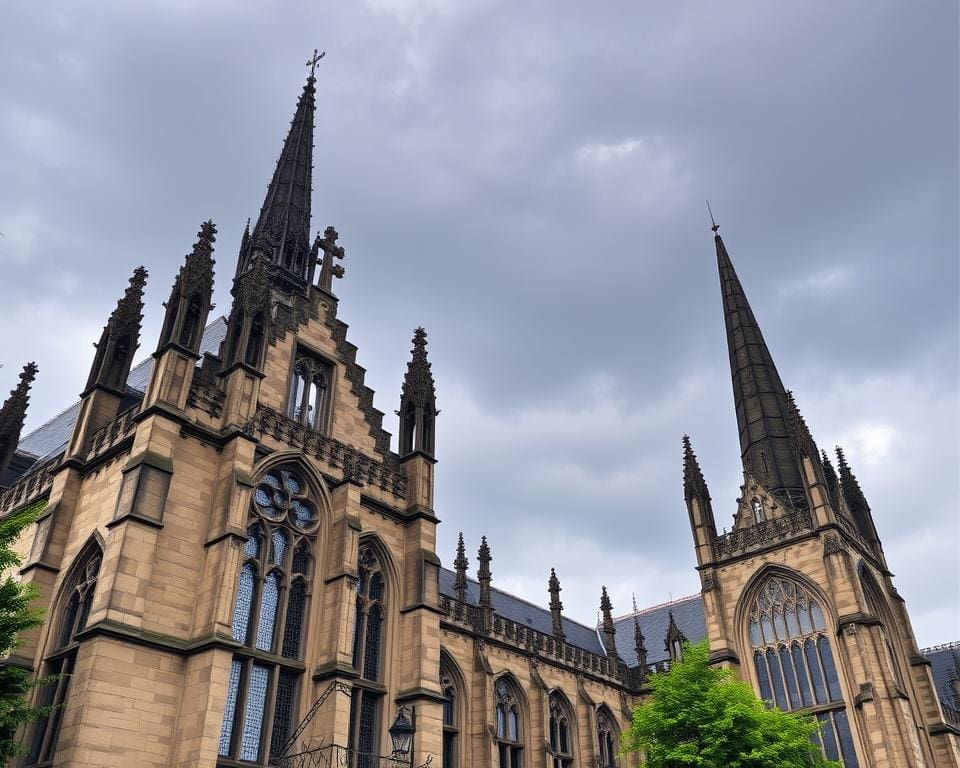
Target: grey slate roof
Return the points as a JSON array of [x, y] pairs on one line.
[[523, 612], [50, 439], [687, 613], [945, 666]]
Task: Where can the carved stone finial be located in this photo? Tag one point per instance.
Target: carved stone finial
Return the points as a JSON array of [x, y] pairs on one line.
[[556, 607], [609, 629], [800, 435], [196, 274], [852, 493], [460, 564], [694, 486], [13, 413], [129, 311], [485, 576], [639, 643]]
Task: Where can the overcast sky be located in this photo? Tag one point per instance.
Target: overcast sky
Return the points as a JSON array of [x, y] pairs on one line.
[[527, 180]]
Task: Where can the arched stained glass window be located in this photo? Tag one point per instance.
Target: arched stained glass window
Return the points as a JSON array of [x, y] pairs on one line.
[[509, 738], [561, 732], [74, 608], [269, 617], [794, 661], [608, 739]]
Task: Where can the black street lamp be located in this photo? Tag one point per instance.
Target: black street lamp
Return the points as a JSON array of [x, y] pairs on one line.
[[401, 734]]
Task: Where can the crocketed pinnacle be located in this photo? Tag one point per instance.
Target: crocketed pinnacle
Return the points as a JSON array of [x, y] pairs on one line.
[[803, 442], [852, 493], [484, 575], [460, 564], [758, 394], [694, 486], [196, 274], [830, 476], [14, 412], [556, 607], [418, 385], [128, 314]]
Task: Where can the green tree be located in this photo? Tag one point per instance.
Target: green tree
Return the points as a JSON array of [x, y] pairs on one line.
[[704, 716], [17, 615]]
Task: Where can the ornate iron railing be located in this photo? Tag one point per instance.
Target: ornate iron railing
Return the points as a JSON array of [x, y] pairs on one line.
[[761, 534], [336, 756], [354, 464]]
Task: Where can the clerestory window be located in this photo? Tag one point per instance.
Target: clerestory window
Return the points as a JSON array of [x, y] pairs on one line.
[[509, 738]]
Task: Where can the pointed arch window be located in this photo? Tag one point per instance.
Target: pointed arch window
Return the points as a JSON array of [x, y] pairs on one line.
[[269, 618], [878, 607], [794, 663], [509, 738], [561, 732], [74, 609], [451, 717], [608, 737], [758, 514], [310, 391], [369, 629]]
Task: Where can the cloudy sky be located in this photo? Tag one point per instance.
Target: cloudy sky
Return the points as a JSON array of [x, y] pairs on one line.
[[527, 180]]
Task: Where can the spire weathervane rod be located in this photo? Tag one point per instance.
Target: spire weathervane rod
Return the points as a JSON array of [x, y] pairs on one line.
[[714, 225], [313, 61]]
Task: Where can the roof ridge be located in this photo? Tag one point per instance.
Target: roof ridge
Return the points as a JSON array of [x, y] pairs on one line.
[[642, 611]]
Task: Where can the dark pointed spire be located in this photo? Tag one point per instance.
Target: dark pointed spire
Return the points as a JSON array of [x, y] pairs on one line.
[[556, 607], [120, 337], [694, 486], [282, 230], [191, 295], [831, 480], [484, 576], [758, 394], [639, 643], [609, 629], [418, 407], [12, 415], [460, 564]]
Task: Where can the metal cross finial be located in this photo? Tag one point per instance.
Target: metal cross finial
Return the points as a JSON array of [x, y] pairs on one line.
[[313, 61], [714, 224]]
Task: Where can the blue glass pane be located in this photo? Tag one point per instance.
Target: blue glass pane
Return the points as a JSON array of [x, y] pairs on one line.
[[780, 625], [755, 638], [241, 610], [262, 497], [776, 679], [501, 722], [294, 622], [301, 558], [829, 669], [828, 737], [230, 707], [303, 513], [279, 539], [817, 615], [792, 624], [762, 677], [292, 485], [253, 713], [252, 547], [813, 667], [273, 479], [513, 725], [787, 664], [805, 626], [268, 612], [767, 627], [801, 670], [846, 739]]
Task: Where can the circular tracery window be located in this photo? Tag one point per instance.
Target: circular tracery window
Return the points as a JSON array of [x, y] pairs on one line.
[[282, 496]]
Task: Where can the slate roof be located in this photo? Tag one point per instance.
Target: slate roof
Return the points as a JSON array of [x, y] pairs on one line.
[[945, 666], [524, 612], [50, 439], [687, 613]]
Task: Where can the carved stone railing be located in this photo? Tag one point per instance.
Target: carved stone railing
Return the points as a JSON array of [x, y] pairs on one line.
[[206, 397], [112, 433], [761, 534], [355, 465], [950, 715], [32, 485], [850, 529], [521, 636]]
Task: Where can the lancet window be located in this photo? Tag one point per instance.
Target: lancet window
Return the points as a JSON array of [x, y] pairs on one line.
[[794, 663], [269, 618], [368, 637], [74, 609], [309, 391], [607, 739], [451, 713], [561, 732], [509, 738]]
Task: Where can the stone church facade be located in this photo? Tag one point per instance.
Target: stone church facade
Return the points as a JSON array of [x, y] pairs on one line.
[[238, 570]]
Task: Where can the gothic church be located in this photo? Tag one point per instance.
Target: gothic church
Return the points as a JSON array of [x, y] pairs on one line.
[[237, 569]]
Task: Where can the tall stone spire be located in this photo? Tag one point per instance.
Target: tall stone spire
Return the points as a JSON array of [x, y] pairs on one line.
[[12, 415], [758, 394], [418, 406], [460, 564], [120, 338], [609, 629], [703, 525], [282, 231], [556, 607]]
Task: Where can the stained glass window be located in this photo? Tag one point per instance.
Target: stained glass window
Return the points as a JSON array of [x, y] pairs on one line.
[[509, 731], [794, 662], [269, 616], [560, 720]]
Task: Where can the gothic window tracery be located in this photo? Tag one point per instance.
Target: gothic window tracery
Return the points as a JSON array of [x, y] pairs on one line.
[[794, 663], [309, 391], [74, 608], [561, 732], [269, 617], [509, 738], [369, 631], [607, 738]]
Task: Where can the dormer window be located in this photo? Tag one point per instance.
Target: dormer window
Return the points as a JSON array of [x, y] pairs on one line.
[[310, 391], [758, 514]]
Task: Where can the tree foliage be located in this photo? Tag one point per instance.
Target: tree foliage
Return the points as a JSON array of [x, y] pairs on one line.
[[17, 615], [704, 716]]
